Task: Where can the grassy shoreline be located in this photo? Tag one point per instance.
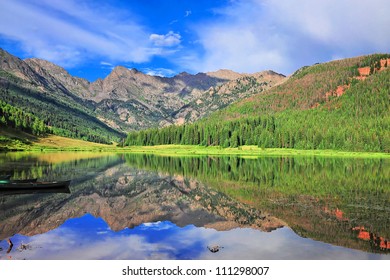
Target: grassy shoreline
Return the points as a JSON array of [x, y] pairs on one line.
[[186, 150]]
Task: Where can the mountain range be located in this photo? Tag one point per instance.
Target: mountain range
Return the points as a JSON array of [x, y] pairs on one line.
[[338, 105], [126, 100]]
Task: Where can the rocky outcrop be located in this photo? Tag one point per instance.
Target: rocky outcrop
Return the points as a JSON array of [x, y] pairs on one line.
[[340, 90], [381, 65], [384, 63], [364, 71]]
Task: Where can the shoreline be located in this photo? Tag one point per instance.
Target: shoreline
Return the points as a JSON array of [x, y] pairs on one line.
[[193, 150]]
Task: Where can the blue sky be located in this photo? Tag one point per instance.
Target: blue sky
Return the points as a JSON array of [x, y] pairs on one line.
[[166, 37]]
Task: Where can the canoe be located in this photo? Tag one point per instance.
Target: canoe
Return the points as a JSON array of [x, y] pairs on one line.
[[34, 185]]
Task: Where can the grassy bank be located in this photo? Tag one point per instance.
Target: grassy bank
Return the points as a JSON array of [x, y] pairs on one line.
[[11, 140]]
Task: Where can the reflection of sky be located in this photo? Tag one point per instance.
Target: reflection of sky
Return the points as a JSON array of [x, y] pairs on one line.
[[88, 237]]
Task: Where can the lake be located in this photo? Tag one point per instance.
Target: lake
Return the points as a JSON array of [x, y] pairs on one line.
[[137, 206]]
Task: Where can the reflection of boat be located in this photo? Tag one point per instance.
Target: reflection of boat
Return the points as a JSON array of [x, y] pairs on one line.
[[31, 187], [11, 181], [36, 190], [5, 177]]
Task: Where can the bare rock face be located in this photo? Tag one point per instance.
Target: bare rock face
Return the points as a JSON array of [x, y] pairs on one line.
[[225, 74], [17, 67], [364, 71], [220, 96], [59, 75]]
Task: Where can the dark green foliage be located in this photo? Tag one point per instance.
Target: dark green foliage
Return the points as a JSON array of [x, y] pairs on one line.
[[18, 119], [359, 120]]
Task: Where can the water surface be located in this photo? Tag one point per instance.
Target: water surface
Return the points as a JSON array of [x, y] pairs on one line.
[[125, 206]]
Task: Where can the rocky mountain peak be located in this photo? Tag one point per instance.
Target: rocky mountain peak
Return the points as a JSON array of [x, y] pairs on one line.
[[54, 74], [37, 64], [224, 74], [183, 74], [16, 66]]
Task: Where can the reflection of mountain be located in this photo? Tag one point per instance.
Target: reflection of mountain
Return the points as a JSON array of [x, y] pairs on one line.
[[126, 197], [298, 190], [319, 198]]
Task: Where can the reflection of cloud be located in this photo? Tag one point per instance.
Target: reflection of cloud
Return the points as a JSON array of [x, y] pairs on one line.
[[164, 240], [156, 226]]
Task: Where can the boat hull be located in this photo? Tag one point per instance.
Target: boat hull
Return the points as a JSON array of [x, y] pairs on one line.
[[33, 186]]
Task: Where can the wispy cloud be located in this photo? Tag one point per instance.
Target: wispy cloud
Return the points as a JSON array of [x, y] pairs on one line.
[[107, 65], [283, 35], [69, 32], [187, 13], [168, 40], [244, 35]]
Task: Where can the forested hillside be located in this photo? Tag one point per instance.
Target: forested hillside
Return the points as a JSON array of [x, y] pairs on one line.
[[342, 105], [21, 107], [38, 104]]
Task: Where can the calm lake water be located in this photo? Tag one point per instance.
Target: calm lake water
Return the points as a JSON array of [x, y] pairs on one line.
[[126, 206]]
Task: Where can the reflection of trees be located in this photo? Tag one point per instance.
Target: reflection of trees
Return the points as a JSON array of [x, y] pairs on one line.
[[296, 189], [376, 242]]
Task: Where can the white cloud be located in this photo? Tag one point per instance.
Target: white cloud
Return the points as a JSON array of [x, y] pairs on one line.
[[104, 63], [168, 40], [69, 32], [284, 35]]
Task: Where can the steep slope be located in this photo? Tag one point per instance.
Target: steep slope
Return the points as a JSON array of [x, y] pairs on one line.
[[218, 97], [340, 105], [24, 89]]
